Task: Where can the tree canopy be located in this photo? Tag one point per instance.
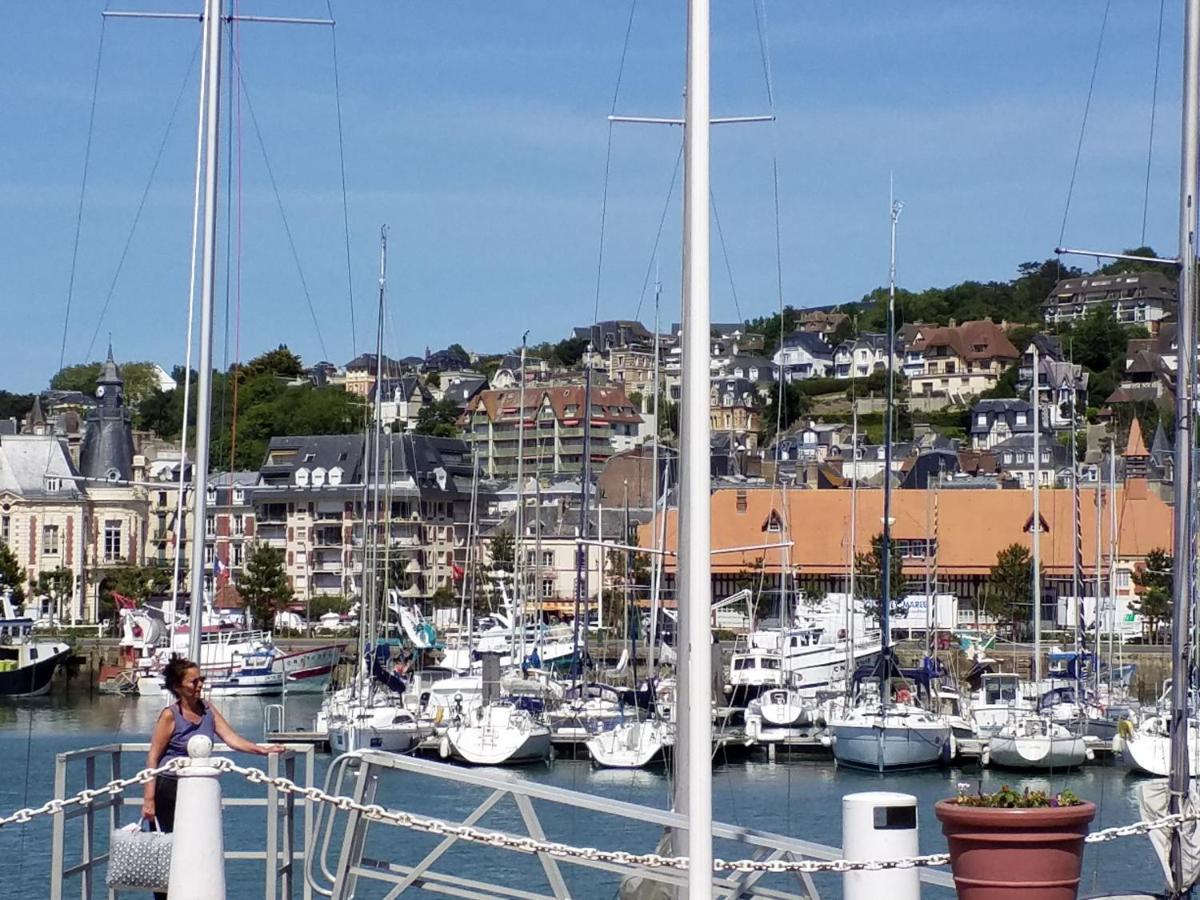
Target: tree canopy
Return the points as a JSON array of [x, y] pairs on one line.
[[869, 581], [141, 379], [12, 576], [1008, 594], [264, 584], [1155, 584], [439, 418]]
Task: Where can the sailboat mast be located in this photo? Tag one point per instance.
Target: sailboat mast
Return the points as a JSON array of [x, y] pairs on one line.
[[693, 791], [885, 601], [656, 563], [518, 610], [1036, 532], [1184, 439], [208, 280]]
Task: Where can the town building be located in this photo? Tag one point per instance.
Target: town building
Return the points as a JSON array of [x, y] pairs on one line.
[[229, 531], [819, 321], [1062, 385], [994, 421], [1136, 298], [402, 401], [803, 354], [360, 373], [733, 408], [972, 527], [554, 426], [1015, 459], [961, 361], [859, 357]]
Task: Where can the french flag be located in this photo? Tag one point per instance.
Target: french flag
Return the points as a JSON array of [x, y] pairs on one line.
[[220, 569]]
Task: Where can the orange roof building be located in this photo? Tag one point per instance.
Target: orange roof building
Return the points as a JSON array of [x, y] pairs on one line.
[[972, 526]]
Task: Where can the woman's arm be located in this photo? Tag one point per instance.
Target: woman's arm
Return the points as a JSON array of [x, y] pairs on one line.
[[236, 741], [163, 729]]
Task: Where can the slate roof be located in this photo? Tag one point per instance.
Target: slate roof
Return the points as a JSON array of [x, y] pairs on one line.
[[810, 342], [368, 362], [1006, 409], [461, 390], [27, 460]]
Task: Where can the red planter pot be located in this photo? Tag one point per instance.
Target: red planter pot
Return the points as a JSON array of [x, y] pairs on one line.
[[1030, 854]]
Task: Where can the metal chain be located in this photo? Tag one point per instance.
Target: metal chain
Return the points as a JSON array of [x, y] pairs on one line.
[[499, 839], [87, 795]]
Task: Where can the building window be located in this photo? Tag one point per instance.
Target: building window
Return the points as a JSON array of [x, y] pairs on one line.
[[237, 555], [548, 589], [210, 526], [5, 528], [162, 498], [53, 484], [49, 540], [239, 525], [209, 555], [112, 539]]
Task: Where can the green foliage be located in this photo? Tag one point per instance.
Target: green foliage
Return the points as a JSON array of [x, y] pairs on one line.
[[140, 379], [443, 598], [15, 406], [797, 404], [1155, 583], [1011, 798], [503, 549], [280, 362], [1009, 592], [264, 585], [12, 576], [566, 353], [869, 583], [1006, 385], [320, 605], [439, 418], [57, 585], [138, 582]]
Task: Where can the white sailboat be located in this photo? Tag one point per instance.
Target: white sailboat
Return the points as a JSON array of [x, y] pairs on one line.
[[497, 734], [632, 745], [1146, 749], [887, 729], [1035, 741]]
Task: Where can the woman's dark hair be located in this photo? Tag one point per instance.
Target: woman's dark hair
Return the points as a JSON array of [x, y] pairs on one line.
[[174, 671]]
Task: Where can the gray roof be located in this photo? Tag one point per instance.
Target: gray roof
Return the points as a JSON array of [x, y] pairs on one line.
[[461, 390], [1006, 410], [810, 341], [28, 460]]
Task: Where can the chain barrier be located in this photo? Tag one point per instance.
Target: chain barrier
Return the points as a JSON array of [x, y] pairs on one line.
[[498, 839], [87, 795]]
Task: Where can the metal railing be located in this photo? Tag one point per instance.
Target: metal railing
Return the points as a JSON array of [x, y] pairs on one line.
[[343, 853], [94, 766]]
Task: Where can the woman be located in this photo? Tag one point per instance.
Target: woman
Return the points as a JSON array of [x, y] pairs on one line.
[[178, 723]]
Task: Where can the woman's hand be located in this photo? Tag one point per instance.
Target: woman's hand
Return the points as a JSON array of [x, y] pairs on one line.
[[148, 809], [273, 748]]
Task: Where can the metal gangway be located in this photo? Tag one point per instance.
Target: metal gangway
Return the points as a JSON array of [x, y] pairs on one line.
[[385, 824]]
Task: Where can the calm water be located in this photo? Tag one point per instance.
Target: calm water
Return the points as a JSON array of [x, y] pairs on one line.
[[801, 797]]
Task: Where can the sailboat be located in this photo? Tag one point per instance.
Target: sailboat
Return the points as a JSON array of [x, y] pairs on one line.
[[888, 728], [1034, 740]]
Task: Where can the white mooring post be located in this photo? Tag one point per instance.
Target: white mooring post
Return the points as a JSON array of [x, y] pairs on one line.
[[198, 860], [880, 825]]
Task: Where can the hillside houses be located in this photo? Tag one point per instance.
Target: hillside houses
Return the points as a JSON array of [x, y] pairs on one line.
[[960, 361]]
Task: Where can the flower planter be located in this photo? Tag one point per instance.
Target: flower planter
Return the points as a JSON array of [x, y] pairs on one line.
[[1030, 854]]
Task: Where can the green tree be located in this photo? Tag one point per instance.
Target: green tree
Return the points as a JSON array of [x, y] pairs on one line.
[[78, 377], [869, 579], [264, 585], [12, 576], [280, 362], [439, 418], [141, 379], [15, 406], [56, 585], [1008, 594], [503, 550], [1155, 584]]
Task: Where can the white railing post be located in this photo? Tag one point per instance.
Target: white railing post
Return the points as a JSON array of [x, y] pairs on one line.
[[880, 825], [198, 852]]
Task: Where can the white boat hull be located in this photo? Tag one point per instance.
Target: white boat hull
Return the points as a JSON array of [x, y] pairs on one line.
[[497, 736], [631, 745], [1148, 751], [1039, 752], [889, 743]]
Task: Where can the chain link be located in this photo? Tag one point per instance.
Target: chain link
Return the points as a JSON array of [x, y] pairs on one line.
[[87, 795], [375, 813]]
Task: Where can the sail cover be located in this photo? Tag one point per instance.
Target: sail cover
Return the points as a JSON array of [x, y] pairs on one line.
[[1153, 798]]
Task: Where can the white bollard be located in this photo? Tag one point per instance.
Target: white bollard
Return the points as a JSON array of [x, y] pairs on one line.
[[880, 825], [198, 848]]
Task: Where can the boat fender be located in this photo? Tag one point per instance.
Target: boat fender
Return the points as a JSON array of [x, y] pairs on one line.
[[827, 740], [952, 744], [444, 748], [1089, 754], [985, 758], [1124, 729]]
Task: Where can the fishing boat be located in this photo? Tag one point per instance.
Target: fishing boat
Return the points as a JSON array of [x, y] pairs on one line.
[[27, 665], [1035, 741]]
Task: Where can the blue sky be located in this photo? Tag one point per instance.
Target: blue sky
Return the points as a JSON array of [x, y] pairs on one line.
[[478, 132]]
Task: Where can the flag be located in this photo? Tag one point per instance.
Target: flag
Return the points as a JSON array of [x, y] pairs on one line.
[[220, 570], [458, 571]]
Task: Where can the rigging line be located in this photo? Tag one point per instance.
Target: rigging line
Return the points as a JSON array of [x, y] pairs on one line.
[[712, 198], [235, 42], [87, 158], [662, 219], [279, 203], [608, 167], [1153, 111], [137, 216], [225, 368], [1083, 125], [337, 93], [764, 51]]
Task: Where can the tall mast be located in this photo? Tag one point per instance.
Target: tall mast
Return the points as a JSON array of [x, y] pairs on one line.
[[518, 611], [656, 562], [1036, 531], [1184, 439], [208, 278], [693, 783], [368, 617], [885, 624]]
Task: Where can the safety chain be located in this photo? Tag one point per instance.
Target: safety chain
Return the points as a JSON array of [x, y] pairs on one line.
[[382, 815], [87, 795]]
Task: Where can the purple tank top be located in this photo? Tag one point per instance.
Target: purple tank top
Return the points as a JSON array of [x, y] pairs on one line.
[[185, 731]]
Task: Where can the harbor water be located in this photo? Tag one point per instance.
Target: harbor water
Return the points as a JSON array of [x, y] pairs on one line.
[[798, 796]]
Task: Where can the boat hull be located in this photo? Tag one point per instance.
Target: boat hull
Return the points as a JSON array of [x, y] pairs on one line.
[[631, 745], [889, 748], [33, 679], [1010, 752]]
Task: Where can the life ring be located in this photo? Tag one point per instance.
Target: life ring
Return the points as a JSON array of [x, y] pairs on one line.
[[903, 695]]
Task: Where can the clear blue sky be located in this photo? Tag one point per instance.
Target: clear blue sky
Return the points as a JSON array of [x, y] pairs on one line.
[[478, 131]]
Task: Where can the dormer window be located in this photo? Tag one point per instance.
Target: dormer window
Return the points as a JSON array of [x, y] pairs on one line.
[[774, 523], [335, 476], [239, 496], [53, 484], [318, 477], [302, 477]]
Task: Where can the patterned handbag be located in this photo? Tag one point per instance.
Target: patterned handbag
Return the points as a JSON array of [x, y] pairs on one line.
[[139, 859]]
